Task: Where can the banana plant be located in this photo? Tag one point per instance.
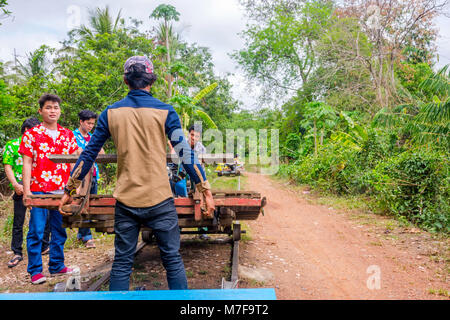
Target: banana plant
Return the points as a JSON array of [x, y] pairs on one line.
[[187, 107], [428, 121], [354, 138], [434, 116], [319, 117]]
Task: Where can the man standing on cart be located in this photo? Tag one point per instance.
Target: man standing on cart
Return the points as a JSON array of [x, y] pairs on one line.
[[199, 149], [138, 124]]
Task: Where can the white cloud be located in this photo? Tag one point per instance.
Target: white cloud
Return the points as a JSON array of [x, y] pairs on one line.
[[210, 23], [443, 41]]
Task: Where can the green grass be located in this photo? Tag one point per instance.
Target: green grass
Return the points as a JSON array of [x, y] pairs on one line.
[[73, 243], [343, 202], [224, 182], [189, 274], [256, 283], [227, 270], [247, 235], [6, 221], [439, 292], [140, 276]]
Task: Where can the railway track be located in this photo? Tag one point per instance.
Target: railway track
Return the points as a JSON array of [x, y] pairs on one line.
[[225, 283], [105, 277]]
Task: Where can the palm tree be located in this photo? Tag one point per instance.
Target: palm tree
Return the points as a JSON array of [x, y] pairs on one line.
[[36, 64], [166, 35], [100, 22]]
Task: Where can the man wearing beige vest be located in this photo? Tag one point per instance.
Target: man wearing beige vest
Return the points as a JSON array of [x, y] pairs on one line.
[[138, 125]]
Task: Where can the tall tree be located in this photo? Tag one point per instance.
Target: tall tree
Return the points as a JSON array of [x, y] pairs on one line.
[[392, 26], [342, 77], [279, 49]]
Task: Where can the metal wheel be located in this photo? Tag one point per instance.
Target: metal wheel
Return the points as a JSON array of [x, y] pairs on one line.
[[236, 231]]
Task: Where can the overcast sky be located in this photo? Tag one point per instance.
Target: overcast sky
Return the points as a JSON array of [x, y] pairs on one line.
[[211, 23]]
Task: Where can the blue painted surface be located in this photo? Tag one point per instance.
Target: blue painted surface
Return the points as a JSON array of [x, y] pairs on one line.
[[197, 294]]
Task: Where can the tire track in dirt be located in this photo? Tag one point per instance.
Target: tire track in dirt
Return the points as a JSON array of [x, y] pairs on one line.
[[315, 253]]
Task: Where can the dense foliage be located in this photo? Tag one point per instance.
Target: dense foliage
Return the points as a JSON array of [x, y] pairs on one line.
[[367, 112]]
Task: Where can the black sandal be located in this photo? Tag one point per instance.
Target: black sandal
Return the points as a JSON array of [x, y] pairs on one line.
[[14, 261]]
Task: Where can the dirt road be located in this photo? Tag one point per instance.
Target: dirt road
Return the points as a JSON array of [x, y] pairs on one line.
[[308, 251], [302, 249]]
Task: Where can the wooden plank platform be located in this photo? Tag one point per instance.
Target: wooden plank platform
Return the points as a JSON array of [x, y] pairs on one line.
[[196, 294], [246, 205], [170, 158], [53, 201], [99, 213]]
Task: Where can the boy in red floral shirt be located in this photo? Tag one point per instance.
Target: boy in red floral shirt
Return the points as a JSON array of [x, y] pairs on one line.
[[42, 176]]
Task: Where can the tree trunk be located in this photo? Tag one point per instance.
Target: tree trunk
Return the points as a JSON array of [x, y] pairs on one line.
[[169, 78], [315, 139]]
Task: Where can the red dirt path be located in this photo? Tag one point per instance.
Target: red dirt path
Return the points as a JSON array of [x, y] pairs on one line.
[[316, 252]]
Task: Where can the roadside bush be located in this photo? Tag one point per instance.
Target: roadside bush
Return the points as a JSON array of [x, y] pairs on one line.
[[323, 172], [416, 185], [412, 184]]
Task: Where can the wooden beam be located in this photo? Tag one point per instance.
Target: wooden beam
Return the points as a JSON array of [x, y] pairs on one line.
[[170, 158], [96, 204]]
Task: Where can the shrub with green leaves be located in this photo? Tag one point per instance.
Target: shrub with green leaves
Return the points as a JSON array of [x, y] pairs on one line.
[[323, 171], [415, 184]]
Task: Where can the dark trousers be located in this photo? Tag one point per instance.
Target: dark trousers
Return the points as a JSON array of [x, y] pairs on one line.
[[163, 220], [17, 231]]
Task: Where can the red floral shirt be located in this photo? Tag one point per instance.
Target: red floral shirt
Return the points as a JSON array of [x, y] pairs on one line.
[[37, 143]]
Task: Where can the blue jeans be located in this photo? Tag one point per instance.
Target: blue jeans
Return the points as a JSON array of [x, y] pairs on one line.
[[84, 234], [163, 220], [38, 218]]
